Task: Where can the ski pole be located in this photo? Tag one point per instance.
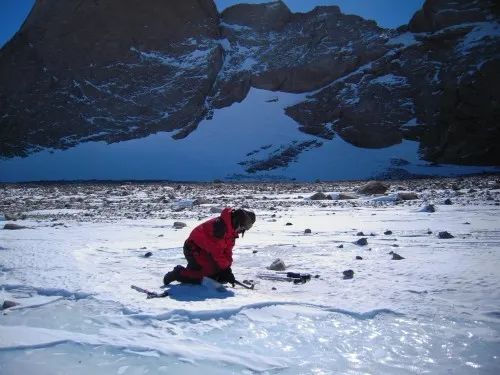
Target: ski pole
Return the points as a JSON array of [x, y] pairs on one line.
[[243, 285]]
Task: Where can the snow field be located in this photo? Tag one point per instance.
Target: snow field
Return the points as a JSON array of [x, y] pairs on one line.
[[434, 311]]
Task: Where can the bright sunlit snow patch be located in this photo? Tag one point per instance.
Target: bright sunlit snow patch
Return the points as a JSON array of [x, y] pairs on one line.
[[481, 31], [407, 39], [435, 310]]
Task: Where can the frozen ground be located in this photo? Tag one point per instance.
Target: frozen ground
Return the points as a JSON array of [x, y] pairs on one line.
[[436, 311]]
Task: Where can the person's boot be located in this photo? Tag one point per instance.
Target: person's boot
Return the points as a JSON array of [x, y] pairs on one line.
[[172, 275]]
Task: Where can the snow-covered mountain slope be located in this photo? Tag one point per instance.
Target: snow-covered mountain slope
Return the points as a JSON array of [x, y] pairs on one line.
[[435, 311], [177, 65], [238, 143]]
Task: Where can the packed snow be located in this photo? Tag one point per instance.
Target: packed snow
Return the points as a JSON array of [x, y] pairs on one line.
[[70, 270]]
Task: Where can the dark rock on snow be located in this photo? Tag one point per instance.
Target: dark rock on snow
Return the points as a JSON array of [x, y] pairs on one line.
[[362, 241], [319, 196], [277, 265], [8, 304], [348, 274], [11, 226], [396, 256], [428, 208], [374, 187], [407, 196], [445, 235]]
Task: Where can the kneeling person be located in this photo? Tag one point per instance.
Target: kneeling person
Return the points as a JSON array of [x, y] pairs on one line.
[[209, 248]]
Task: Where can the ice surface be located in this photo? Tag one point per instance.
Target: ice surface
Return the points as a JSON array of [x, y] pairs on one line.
[[436, 311]]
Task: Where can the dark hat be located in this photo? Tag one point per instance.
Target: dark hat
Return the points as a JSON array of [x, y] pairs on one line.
[[242, 220]]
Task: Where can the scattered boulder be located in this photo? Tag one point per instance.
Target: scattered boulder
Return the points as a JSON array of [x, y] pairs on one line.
[[362, 241], [11, 226], [388, 232], [374, 187], [307, 231], [341, 246], [448, 202], [14, 217], [348, 274], [360, 234], [255, 251], [319, 196], [277, 265], [345, 196], [445, 235], [179, 225], [407, 196], [396, 256], [200, 200], [288, 224], [148, 254], [359, 257], [8, 304], [428, 208]]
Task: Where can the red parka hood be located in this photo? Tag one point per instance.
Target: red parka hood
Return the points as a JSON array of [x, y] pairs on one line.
[[226, 216]]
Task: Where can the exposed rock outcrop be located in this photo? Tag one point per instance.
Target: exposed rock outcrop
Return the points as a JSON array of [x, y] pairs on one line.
[[106, 70], [120, 69]]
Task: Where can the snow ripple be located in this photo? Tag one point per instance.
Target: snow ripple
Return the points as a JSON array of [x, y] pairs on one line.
[[182, 314], [14, 338]]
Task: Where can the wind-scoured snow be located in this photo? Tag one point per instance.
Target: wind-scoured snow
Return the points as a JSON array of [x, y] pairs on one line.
[[436, 311]]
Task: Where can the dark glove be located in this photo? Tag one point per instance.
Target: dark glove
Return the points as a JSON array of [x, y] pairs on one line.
[[225, 276]]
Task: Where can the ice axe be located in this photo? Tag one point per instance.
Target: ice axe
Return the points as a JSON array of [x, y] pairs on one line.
[[243, 285]]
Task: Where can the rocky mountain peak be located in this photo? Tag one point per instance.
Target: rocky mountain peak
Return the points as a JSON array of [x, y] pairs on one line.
[[267, 16], [440, 14], [115, 70]]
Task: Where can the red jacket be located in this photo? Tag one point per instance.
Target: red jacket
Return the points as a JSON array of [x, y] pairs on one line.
[[216, 237]]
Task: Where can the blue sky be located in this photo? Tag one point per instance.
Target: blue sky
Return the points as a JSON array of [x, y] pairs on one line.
[[387, 13], [12, 15]]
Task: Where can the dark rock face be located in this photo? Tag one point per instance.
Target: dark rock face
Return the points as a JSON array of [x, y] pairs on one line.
[[106, 70], [121, 69], [430, 87]]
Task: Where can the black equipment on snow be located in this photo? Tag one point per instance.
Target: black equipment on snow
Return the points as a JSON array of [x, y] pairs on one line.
[[295, 277], [149, 293], [251, 286]]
